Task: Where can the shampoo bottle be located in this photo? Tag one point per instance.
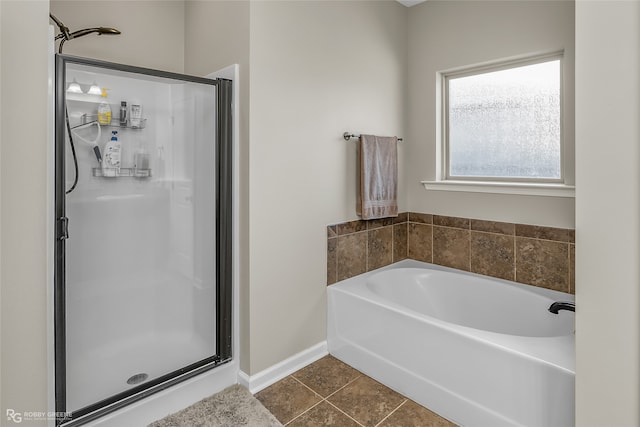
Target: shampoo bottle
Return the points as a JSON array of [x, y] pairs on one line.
[[104, 109], [112, 156]]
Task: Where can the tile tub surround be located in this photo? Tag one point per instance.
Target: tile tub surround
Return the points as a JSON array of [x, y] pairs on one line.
[[535, 255], [356, 247], [329, 392]]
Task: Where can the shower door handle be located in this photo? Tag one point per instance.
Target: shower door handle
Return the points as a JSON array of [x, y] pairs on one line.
[[64, 228]]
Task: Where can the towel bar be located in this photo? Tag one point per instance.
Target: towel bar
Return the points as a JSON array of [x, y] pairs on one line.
[[348, 135]]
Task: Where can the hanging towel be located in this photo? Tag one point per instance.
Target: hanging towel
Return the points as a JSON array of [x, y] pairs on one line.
[[378, 177]]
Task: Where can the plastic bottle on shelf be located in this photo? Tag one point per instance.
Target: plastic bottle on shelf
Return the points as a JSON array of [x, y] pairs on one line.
[[141, 162], [123, 114], [104, 109], [112, 156], [135, 115]]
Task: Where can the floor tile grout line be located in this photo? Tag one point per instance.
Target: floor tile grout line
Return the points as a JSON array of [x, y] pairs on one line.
[[333, 405], [324, 399], [331, 394], [391, 413], [341, 410], [304, 412], [309, 408], [312, 390], [359, 376], [347, 415]]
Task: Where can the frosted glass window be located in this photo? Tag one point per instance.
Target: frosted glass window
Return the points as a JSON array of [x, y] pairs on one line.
[[505, 124]]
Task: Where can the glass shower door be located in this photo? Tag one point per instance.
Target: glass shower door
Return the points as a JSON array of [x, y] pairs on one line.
[[143, 204]]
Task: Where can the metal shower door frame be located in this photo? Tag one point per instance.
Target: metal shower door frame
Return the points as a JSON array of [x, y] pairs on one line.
[[223, 246]]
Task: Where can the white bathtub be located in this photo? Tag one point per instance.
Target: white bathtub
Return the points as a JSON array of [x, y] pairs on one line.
[[478, 351]]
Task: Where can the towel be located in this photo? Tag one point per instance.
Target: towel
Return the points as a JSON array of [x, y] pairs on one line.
[[378, 177]]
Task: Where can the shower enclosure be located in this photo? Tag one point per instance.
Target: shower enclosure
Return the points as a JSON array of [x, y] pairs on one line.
[[143, 245]]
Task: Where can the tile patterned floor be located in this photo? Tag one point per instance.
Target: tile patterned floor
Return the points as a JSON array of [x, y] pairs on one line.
[[332, 393]]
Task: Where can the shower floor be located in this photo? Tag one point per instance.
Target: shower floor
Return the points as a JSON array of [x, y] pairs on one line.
[[103, 372], [148, 323]]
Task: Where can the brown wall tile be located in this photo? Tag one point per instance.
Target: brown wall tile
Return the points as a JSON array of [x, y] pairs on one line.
[[421, 218], [545, 233], [402, 217], [377, 223], [493, 227], [400, 242], [542, 263], [572, 269], [451, 221], [332, 261], [493, 255], [539, 256], [419, 242], [351, 227], [380, 249], [352, 255], [451, 247]]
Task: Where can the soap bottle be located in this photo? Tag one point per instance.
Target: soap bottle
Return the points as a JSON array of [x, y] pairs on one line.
[[104, 109], [112, 156]]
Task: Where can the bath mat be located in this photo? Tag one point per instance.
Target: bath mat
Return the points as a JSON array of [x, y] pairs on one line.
[[232, 407]]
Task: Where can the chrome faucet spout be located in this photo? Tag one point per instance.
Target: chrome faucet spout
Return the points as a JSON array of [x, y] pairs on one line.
[[562, 305]]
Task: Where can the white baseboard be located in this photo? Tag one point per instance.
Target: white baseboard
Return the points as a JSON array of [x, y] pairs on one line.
[[275, 373]]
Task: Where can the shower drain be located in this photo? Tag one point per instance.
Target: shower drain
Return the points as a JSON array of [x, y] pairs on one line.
[[137, 378]]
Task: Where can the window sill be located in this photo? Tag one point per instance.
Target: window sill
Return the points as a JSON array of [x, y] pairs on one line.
[[520, 188]]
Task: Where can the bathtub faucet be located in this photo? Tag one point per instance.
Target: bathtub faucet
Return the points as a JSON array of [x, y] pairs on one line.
[[562, 305]]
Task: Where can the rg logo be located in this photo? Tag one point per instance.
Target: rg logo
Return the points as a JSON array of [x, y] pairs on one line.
[[14, 416]]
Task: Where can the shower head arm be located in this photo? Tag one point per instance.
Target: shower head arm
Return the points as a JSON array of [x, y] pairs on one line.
[[66, 35], [64, 30]]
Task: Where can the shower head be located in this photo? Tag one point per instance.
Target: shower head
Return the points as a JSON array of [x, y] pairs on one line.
[[66, 35], [99, 30]]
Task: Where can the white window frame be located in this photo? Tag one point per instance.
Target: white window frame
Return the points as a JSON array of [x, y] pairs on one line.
[[507, 185]]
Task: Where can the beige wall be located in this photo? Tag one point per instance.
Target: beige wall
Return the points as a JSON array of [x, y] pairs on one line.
[[607, 213], [317, 69], [152, 36], [217, 35], [450, 34], [23, 167]]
